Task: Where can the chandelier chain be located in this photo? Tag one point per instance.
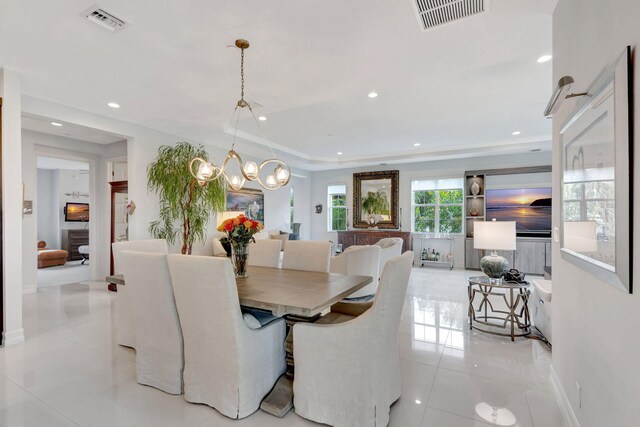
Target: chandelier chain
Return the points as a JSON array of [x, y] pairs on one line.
[[242, 74]]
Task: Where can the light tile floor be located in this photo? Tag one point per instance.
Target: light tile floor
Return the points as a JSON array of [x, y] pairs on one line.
[[69, 371]]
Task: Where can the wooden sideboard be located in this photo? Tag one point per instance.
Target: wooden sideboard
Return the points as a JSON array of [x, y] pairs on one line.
[[369, 237], [72, 240]]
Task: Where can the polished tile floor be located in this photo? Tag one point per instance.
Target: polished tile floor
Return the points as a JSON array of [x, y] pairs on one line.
[[69, 372]]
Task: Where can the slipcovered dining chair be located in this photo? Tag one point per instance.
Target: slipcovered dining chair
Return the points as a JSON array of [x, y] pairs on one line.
[[390, 247], [226, 365], [343, 376], [307, 255], [159, 359], [265, 253], [125, 327], [362, 261]]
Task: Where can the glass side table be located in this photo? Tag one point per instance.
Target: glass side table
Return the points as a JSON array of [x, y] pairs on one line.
[[515, 297]]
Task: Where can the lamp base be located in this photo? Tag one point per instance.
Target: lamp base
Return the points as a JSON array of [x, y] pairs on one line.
[[494, 266]]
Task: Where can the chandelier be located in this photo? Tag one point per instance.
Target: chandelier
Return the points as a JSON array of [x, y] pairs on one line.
[[277, 172]]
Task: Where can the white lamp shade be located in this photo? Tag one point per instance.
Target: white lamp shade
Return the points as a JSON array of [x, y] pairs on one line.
[[494, 235], [580, 236], [223, 216]]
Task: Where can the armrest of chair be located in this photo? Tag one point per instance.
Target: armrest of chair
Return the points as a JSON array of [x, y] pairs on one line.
[[351, 308]]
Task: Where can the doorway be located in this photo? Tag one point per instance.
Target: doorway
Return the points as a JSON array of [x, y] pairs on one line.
[[63, 215]]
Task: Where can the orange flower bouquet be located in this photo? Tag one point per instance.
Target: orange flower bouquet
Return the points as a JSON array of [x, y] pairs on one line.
[[239, 233]]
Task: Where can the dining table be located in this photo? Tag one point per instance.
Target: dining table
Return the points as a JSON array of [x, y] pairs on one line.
[[298, 296], [289, 292]]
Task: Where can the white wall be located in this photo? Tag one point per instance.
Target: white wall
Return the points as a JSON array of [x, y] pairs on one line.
[[29, 222], [595, 327], [409, 172], [46, 208], [11, 207]]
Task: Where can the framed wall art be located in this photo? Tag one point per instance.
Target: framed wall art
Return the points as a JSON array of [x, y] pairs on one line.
[[248, 200], [597, 179]]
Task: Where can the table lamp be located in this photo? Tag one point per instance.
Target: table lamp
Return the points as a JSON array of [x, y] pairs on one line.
[[494, 236], [580, 236]]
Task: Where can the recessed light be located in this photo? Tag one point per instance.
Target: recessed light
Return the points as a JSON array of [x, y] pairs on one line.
[[544, 58], [418, 402], [372, 94], [56, 124], [262, 118], [515, 133], [339, 153], [417, 144], [113, 105]]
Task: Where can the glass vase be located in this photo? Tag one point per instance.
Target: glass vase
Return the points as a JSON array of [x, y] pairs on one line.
[[239, 256]]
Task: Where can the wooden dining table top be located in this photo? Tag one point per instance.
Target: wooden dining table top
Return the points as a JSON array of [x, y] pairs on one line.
[[286, 291]]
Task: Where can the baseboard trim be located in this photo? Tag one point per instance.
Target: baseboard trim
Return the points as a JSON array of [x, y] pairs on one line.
[[12, 337], [568, 415]]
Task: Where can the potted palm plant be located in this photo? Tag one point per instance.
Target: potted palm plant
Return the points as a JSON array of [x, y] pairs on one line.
[[185, 205]]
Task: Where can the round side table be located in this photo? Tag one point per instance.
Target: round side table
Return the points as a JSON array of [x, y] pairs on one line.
[[515, 297]]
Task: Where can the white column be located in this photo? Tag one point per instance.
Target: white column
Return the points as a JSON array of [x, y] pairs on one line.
[[12, 206]]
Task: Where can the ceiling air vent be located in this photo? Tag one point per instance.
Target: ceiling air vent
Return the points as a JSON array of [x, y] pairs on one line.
[[104, 18], [432, 13]]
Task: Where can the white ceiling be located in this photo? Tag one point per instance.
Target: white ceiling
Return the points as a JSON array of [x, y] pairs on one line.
[[461, 88], [43, 162], [68, 130]]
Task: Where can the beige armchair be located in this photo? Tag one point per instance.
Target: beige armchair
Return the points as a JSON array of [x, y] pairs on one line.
[[343, 376]]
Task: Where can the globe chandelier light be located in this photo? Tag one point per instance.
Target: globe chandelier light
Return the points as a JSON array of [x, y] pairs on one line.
[[277, 172]]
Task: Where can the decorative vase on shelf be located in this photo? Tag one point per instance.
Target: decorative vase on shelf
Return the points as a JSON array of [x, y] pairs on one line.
[[239, 256], [473, 212], [475, 188]]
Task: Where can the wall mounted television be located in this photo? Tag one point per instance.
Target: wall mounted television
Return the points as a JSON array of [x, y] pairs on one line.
[[530, 208], [76, 212]]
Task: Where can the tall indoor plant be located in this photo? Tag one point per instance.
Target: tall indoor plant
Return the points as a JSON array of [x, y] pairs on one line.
[[185, 205]]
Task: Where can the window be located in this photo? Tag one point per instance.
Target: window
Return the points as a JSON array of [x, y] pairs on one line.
[[337, 207], [291, 207], [436, 205]]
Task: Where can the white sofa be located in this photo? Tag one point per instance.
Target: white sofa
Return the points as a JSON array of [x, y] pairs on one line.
[[276, 234], [542, 309]]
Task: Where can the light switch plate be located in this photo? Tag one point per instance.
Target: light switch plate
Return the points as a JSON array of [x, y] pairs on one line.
[[27, 207]]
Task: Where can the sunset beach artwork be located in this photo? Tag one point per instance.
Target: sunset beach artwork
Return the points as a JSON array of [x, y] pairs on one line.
[[530, 208]]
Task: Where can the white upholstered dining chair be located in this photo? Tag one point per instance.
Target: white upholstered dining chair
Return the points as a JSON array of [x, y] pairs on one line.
[[344, 377], [359, 260], [159, 358], [390, 247], [125, 327], [226, 365], [307, 255], [265, 253]]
